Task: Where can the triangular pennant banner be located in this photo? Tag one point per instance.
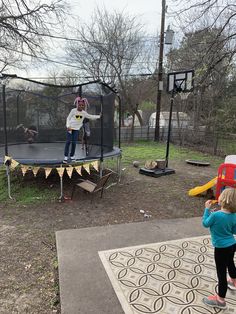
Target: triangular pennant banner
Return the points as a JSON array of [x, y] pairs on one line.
[[35, 170], [69, 171], [60, 171], [6, 158], [87, 168], [95, 165], [24, 169], [47, 172], [14, 164], [78, 169]]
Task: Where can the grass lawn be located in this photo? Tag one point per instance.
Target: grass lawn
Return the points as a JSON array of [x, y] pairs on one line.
[[143, 151]]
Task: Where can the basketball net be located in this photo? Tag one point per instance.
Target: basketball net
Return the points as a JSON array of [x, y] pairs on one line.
[[184, 96], [180, 88]]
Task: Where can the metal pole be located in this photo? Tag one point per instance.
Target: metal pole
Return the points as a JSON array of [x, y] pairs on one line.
[[61, 198], [8, 162], [119, 168], [84, 135], [101, 143], [119, 121], [38, 116], [169, 127], [80, 91], [17, 110], [160, 72], [8, 180], [4, 117]]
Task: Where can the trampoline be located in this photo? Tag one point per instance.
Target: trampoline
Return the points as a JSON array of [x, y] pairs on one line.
[[51, 154], [45, 107]]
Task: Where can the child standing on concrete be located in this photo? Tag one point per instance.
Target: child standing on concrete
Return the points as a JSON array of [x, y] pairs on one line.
[[222, 224]]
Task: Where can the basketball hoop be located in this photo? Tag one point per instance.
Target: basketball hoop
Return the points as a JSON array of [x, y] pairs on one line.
[[184, 96], [180, 83]]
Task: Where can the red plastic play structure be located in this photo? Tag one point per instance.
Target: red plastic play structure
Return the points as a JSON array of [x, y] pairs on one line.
[[226, 177]]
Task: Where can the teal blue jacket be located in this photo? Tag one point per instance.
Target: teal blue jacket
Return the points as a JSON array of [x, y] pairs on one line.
[[222, 227]]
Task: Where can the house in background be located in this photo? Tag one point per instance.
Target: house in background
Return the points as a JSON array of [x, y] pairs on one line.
[[184, 120]]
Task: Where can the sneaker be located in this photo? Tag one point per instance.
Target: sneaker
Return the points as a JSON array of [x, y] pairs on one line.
[[231, 284], [72, 159], [213, 301], [65, 161]]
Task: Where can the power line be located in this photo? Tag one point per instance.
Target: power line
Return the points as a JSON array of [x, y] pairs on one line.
[[43, 58], [79, 40], [135, 63], [70, 65], [63, 63], [90, 77]]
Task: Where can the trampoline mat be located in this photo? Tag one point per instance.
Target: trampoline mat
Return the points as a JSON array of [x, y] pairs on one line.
[[52, 153]]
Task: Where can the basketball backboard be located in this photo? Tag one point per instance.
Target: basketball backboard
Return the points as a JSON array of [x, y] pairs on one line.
[[180, 82]]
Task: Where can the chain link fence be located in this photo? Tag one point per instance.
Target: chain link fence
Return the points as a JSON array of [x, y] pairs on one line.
[[201, 139]]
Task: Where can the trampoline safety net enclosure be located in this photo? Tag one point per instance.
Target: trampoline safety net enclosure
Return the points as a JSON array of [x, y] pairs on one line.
[[44, 109]]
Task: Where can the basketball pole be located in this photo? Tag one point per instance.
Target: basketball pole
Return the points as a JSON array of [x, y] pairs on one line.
[[169, 127], [101, 143]]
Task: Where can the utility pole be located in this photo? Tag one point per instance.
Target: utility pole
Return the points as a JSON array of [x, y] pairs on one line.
[[160, 72]]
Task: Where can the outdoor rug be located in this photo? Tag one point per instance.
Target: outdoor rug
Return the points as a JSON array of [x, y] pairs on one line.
[[168, 277]]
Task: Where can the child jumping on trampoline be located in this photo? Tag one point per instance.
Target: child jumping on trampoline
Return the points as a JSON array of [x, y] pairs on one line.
[[222, 224], [30, 133], [74, 122]]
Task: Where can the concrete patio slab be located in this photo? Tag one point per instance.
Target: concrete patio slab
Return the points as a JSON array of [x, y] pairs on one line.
[[84, 285]]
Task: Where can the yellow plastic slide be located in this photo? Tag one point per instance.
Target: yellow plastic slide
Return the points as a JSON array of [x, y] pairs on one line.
[[200, 189]]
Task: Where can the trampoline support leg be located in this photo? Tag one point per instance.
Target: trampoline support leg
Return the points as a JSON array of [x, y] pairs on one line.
[[8, 182], [119, 167], [61, 198], [101, 169]]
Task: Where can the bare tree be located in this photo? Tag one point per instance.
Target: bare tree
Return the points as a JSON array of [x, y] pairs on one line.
[[209, 81], [109, 46], [208, 46], [24, 25], [216, 16]]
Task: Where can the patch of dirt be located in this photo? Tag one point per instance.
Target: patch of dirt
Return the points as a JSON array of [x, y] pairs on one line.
[[28, 281]]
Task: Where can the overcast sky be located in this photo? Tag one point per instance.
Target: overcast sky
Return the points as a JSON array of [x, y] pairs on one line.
[[148, 13]]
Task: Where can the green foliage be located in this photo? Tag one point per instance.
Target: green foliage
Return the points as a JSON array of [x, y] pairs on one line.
[[3, 184], [25, 192], [55, 263], [147, 105], [228, 145], [226, 113]]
